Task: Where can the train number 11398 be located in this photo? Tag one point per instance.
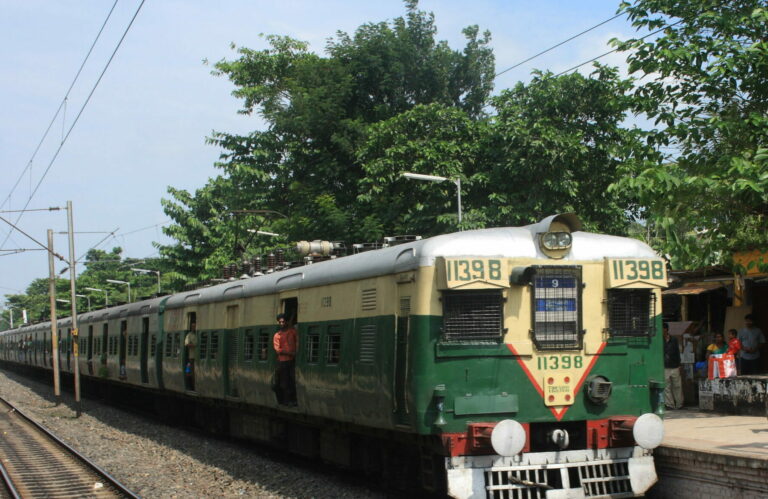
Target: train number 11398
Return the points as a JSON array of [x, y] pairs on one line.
[[473, 270], [632, 270], [552, 362]]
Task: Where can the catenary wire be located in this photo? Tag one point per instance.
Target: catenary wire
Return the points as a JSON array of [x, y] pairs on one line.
[[614, 50], [77, 118], [113, 235], [557, 45], [61, 105]]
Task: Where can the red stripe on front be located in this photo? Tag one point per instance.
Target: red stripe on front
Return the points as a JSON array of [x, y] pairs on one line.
[[525, 369], [558, 414]]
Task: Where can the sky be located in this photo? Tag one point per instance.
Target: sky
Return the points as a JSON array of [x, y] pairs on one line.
[[146, 123]]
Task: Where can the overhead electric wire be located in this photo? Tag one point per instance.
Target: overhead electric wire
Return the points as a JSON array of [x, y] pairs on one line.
[[614, 50], [34, 240], [9, 252], [112, 234], [77, 118], [557, 45], [144, 228], [61, 105]]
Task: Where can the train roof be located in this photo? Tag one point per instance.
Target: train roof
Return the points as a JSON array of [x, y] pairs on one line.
[[502, 242]]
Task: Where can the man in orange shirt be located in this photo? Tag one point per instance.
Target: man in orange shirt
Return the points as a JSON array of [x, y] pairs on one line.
[[285, 343]]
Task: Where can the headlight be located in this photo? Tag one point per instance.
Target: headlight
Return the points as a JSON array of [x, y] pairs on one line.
[[556, 240], [563, 239], [508, 438], [648, 431]]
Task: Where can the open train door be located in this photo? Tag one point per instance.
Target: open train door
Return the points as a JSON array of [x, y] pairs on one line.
[[144, 349], [231, 353], [289, 305]]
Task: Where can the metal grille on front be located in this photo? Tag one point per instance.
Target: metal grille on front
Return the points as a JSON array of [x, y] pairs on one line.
[[608, 478], [557, 307], [631, 312], [472, 315]]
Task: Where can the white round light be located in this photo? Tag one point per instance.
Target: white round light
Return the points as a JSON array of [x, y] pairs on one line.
[[563, 239], [648, 431], [508, 438]]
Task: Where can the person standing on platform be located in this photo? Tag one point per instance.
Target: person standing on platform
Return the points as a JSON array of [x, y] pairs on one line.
[[718, 347], [286, 344], [673, 391], [751, 338]]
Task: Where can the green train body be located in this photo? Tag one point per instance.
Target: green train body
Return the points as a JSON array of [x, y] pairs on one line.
[[526, 359]]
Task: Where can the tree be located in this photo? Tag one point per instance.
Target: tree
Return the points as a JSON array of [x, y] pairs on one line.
[[319, 110], [99, 266], [430, 139], [558, 144], [706, 87], [553, 145], [36, 300]]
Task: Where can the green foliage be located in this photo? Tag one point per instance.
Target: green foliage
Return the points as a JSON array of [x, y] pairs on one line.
[[707, 88], [343, 127], [429, 139], [319, 111], [557, 144], [99, 266]]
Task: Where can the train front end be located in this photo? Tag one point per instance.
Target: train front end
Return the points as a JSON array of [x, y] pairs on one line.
[[541, 370]]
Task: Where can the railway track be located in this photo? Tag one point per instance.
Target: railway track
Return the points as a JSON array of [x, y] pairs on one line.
[[34, 463]]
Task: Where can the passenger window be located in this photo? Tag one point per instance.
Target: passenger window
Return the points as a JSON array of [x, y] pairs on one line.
[[333, 348], [168, 345], [249, 344], [263, 345], [176, 344], [214, 351], [313, 345], [203, 346]]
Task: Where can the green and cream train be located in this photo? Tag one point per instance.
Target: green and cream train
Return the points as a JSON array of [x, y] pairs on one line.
[[500, 363]]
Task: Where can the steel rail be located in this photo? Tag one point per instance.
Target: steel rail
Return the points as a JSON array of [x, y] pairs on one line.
[[9, 489], [109, 481]]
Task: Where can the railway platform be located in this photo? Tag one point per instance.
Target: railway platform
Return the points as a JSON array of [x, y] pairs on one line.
[[705, 454]]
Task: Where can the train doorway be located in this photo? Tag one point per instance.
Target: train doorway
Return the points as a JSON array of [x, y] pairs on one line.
[[103, 348], [290, 307], [123, 345], [230, 382], [285, 374], [68, 346], [144, 349], [189, 353], [89, 350]]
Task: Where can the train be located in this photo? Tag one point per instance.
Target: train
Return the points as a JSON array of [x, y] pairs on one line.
[[503, 362]]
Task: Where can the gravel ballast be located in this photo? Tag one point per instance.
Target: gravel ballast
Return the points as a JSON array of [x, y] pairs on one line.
[[158, 461]]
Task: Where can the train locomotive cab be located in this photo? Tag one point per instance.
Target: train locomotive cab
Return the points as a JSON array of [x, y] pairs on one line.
[[547, 373]]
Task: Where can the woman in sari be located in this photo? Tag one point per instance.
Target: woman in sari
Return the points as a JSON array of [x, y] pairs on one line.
[[719, 346]]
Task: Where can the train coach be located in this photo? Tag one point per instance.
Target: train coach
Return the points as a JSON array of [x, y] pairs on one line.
[[500, 363]]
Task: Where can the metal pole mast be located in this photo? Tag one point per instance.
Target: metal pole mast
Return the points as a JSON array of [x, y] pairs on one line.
[[54, 327], [73, 298]]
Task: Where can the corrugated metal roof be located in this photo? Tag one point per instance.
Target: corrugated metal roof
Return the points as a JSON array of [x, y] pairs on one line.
[[694, 288]]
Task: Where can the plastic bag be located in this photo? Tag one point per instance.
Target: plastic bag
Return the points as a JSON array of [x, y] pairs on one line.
[[721, 365]]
